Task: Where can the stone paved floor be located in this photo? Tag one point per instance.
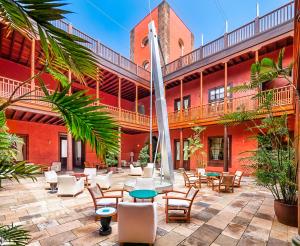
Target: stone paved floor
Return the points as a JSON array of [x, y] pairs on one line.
[[243, 218]]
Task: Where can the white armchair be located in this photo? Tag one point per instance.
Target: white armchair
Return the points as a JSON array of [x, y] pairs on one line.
[[148, 170], [137, 222], [91, 172], [50, 176], [135, 171], [103, 180], [56, 166], [68, 185]]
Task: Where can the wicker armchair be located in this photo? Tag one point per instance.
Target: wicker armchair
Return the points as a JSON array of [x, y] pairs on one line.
[[180, 203], [191, 180]]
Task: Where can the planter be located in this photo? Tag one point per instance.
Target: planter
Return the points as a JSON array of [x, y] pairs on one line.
[[286, 214]]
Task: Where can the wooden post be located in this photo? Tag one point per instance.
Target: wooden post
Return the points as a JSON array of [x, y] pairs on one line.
[[256, 56], [120, 96], [136, 101], [120, 149], [97, 86], [225, 112], [181, 148], [225, 88], [181, 98], [32, 64], [296, 76], [201, 94]]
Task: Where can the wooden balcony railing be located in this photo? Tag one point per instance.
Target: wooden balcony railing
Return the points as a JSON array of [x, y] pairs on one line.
[[7, 86], [104, 51], [259, 25], [282, 97]]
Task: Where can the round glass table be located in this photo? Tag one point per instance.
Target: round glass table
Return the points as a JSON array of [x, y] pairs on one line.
[[212, 174], [105, 218], [143, 194]]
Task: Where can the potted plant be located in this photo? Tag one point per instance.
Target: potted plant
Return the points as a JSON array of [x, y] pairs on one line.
[[195, 148], [111, 160], [273, 162], [144, 156]]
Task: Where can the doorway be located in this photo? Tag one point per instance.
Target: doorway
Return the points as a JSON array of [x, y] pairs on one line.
[[63, 150], [186, 159]]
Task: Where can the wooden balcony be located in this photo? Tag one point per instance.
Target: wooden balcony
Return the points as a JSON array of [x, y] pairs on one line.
[[210, 113], [261, 29], [126, 118]]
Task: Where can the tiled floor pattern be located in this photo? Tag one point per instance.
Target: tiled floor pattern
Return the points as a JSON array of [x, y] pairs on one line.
[[243, 218]]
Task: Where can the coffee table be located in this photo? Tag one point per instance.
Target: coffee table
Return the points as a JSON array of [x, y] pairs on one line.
[[81, 175], [143, 194], [105, 218]]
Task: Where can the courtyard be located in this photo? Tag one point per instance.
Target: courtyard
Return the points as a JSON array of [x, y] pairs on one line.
[[245, 217]]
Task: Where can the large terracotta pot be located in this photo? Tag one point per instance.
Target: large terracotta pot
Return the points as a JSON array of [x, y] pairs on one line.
[[286, 214]]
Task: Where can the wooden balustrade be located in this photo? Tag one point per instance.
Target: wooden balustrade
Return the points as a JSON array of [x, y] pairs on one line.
[[282, 96], [262, 24]]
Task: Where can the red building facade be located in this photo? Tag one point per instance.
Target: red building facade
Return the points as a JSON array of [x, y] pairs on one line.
[[195, 82]]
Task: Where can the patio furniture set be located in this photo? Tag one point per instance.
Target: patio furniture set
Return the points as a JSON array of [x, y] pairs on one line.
[[221, 181]]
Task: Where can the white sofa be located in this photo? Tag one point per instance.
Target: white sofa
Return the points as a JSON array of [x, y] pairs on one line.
[[135, 171], [50, 176], [137, 222], [103, 180], [56, 166], [69, 186], [91, 172]]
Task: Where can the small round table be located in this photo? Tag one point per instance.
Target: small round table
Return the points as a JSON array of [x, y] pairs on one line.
[[105, 218], [143, 194], [211, 176]]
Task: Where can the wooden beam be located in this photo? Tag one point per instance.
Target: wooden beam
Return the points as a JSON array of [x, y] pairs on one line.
[[225, 149], [120, 149], [136, 98], [181, 98]]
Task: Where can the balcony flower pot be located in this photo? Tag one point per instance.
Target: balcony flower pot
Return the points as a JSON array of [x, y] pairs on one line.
[[286, 214]]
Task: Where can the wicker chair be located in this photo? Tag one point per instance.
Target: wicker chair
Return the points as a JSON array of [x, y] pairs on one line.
[[225, 183], [238, 178], [191, 180], [180, 203]]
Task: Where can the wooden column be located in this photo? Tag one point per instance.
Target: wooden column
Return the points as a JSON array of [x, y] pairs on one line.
[[120, 96], [181, 98], [201, 94], [136, 98], [69, 137], [225, 127], [97, 86], [120, 148], [181, 148], [32, 64], [256, 56]]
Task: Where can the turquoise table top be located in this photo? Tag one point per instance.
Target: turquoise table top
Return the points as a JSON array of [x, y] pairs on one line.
[[143, 194], [212, 174]]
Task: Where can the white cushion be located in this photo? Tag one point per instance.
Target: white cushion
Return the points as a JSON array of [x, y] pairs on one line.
[[50, 176], [106, 201], [178, 203], [193, 178]]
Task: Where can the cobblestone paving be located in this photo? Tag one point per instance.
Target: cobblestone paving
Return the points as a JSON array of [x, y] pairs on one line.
[[245, 217]]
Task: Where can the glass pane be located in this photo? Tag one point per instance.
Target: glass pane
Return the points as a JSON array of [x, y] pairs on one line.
[[185, 151], [186, 103], [20, 156], [216, 148], [64, 149], [78, 148], [177, 151]]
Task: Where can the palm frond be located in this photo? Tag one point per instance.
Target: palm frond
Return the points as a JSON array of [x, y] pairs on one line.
[[13, 235], [88, 123], [61, 50]]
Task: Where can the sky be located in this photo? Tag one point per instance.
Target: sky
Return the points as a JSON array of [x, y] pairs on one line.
[[110, 21]]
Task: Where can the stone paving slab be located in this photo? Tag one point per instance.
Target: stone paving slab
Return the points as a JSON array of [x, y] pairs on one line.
[[245, 217]]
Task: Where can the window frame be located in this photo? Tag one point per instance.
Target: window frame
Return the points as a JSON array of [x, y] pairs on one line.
[[219, 163], [183, 98], [229, 86]]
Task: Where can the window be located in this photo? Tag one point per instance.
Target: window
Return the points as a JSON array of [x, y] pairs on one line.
[[146, 64], [185, 150], [145, 41], [181, 46], [217, 93], [216, 151], [22, 148], [186, 103]]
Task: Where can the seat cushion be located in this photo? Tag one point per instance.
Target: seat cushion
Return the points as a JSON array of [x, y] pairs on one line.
[[178, 203], [107, 202]]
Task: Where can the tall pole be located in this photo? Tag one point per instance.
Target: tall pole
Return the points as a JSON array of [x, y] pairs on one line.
[[296, 76], [225, 111], [150, 123]]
